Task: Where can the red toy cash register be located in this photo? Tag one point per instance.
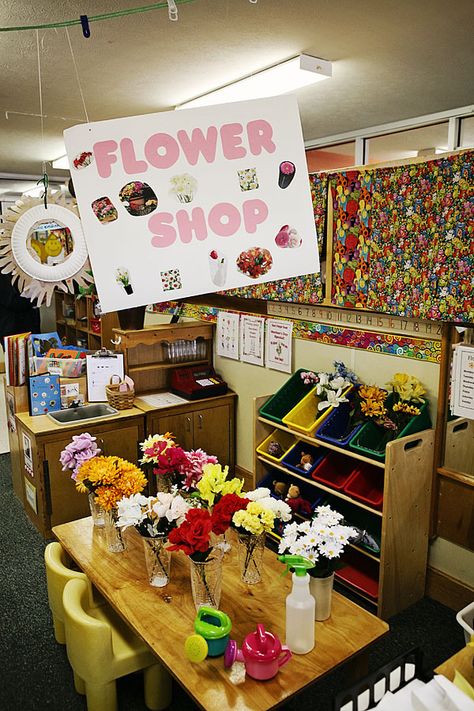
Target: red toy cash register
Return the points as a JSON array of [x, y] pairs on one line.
[[195, 383]]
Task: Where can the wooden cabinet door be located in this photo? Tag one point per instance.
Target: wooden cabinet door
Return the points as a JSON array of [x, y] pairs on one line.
[[212, 432], [180, 425]]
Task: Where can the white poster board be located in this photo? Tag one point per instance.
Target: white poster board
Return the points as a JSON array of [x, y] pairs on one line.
[[278, 345], [462, 382], [227, 335], [252, 330], [189, 202]]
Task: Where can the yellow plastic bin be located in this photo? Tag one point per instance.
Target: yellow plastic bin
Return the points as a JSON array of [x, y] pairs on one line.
[[284, 439], [305, 416]]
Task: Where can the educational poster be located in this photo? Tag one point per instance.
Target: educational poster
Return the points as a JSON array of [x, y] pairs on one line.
[[278, 346], [228, 335], [252, 329], [190, 202], [462, 384], [27, 454]]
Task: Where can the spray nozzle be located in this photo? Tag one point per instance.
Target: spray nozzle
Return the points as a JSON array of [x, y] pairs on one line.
[[297, 562]]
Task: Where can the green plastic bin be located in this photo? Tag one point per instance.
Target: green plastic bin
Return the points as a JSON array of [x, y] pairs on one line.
[[366, 439], [284, 400]]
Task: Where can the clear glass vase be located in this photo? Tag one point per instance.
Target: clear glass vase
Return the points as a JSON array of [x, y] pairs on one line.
[[158, 560], [321, 590], [250, 551], [206, 581], [113, 534], [164, 482], [97, 512]]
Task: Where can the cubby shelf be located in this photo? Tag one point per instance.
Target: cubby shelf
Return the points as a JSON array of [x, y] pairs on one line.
[[403, 520], [319, 485]]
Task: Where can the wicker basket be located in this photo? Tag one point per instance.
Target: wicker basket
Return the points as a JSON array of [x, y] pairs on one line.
[[120, 399]]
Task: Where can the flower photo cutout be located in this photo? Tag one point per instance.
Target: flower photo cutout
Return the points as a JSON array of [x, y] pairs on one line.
[[171, 280], [104, 210], [138, 198], [248, 179]]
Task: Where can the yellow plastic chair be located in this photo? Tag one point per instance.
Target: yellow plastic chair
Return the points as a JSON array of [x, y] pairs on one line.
[[102, 648], [58, 573]]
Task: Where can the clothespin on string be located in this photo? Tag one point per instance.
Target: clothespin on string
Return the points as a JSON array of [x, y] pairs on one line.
[[86, 30], [172, 10]]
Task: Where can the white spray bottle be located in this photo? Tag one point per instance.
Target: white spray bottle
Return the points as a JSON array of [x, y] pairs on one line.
[[299, 606]]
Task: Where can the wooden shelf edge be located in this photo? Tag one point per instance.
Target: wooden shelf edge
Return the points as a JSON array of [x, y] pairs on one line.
[[166, 366], [466, 479], [355, 591], [319, 443], [318, 485]]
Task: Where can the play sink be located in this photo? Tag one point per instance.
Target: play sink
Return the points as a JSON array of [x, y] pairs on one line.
[[83, 414]]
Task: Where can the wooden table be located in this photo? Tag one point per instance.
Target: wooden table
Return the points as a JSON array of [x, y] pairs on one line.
[[462, 661], [164, 617]]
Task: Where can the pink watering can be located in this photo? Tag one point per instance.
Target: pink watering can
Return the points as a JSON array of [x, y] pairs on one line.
[[262, 654]]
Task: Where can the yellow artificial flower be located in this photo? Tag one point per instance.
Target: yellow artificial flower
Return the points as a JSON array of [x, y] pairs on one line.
[[372, 392], [406, 407], [255, 518], [148, 443], [407, 387], [214, 483]]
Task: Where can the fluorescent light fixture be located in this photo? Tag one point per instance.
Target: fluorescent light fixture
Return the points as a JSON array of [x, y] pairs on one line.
[[279, 79], [62, 162]]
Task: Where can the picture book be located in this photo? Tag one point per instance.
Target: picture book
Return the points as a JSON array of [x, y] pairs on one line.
[[41, 343], [45, 395]]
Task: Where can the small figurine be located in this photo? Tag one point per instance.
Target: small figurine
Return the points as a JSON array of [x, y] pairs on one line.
[[280, 488], [296, 502], [275, 448], [306, 462]]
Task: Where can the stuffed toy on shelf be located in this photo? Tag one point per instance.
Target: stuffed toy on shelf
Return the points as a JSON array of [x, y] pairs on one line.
[[296, 502]]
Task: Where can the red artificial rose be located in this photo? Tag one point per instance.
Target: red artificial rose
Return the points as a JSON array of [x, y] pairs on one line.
[[193, 534], [170, 460], [224, 510]]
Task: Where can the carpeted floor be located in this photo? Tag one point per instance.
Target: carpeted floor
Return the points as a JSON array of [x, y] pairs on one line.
[[34, 671]]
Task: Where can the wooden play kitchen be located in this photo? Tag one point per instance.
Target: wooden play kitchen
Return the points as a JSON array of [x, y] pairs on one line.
[[391, 498], [122, 580]]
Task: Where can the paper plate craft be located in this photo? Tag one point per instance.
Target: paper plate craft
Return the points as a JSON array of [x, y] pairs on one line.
[[83, 160], [248, 179], [287, 173], [138, 198], [44, 248], [288, 237], [218, 267], [184, 186], [254, 262], [104, 210]]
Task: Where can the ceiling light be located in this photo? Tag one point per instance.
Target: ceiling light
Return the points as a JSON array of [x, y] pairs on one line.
[[279, 79], [61, 163]]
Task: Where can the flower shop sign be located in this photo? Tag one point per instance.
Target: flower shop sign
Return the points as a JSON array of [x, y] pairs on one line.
[[189, 202]]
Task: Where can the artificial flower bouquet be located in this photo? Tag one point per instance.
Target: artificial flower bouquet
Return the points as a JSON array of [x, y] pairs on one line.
[[109, 479], [152, 516], [81, 448], [330, 387], [322, 540], [173, 466]]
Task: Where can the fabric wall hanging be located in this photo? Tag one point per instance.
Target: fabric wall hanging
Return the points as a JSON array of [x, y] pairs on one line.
[[422, 252], [352, 206], [307, 289]]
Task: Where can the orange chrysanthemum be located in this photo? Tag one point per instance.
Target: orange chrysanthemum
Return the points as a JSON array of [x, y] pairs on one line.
[[110, 478]]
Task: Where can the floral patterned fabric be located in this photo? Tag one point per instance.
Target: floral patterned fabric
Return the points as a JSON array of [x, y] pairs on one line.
[[422, 252], [306, 289], [352, 203]]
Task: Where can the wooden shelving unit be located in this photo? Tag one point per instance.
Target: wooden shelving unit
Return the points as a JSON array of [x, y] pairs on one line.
[[403, 520], [146, 352], [78, 325]]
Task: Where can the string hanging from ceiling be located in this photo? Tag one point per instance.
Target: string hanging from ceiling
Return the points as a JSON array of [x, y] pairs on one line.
[[84, 20]]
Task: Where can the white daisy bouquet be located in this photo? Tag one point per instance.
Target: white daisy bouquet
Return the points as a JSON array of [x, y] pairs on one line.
[[322, 540]]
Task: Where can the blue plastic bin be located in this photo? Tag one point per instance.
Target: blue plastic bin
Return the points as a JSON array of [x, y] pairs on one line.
[[293, 457], [334, 428]]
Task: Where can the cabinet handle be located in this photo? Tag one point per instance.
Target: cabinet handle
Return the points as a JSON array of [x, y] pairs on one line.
[[200, 421], [47, 489], [188, 424], [102, 446]]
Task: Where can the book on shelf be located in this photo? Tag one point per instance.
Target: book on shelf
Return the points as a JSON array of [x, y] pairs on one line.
[[15, 347]]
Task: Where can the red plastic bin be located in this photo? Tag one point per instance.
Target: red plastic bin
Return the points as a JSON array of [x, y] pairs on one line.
[[366, 485], [335, 470], [359, 572]]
